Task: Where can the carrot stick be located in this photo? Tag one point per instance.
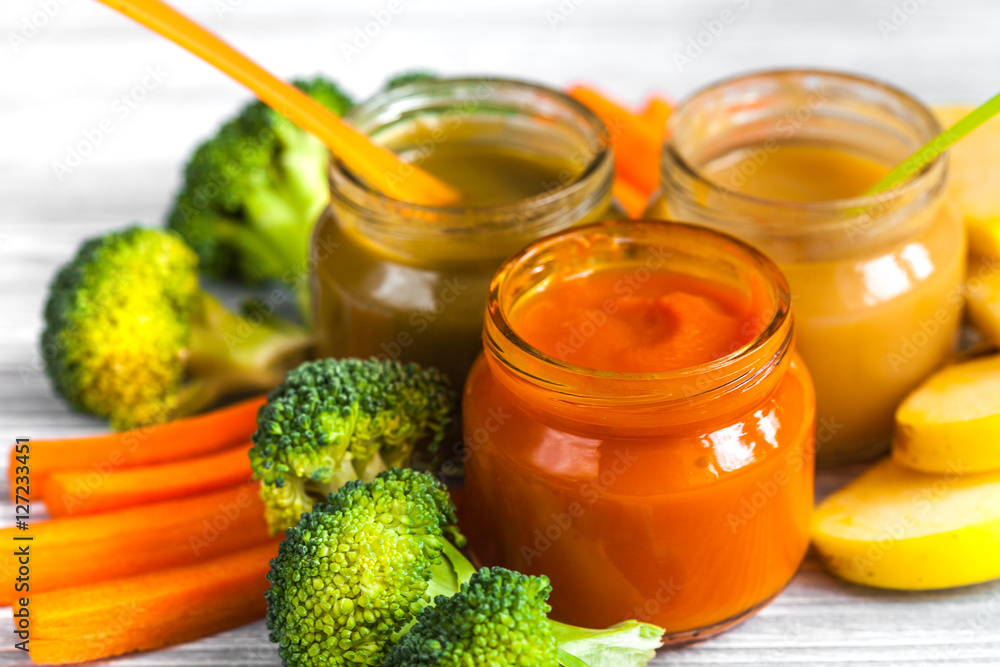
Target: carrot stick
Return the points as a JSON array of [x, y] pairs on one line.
[[159, 443], [632, 200], [657, 112], [152, 610], [86, 549], [636, 143], [75, 492]]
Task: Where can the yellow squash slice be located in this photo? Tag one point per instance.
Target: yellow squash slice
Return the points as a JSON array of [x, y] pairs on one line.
[[898, 528], [951, 422], [982, 296]]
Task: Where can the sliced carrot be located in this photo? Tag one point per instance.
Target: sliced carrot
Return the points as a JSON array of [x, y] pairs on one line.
[[636, 143], [97, 547], [657, 111], [149, 611], [75, 492], [629, 197], [159, 443]]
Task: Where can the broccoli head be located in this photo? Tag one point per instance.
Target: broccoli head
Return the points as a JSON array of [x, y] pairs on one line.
[[353, 582], [336, 420], [500, 618], [129, 335], [349, 579], [252, 193]]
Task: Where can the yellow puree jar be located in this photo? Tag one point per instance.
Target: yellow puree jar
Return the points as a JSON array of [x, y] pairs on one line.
[[396, 280], [782, 159]]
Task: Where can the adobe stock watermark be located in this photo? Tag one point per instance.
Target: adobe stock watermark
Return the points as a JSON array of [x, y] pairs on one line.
[[449, 292], [785, 128], [439, 134], [943, 320], [371, 30], [126, 616], [766, 490], [900, 15], [712, 30], [985, 620], [590, 493], [583, 154], [223, 7], [791, 635], [122, 107], [895, 528], [666, 591], [33, 23], [561, 12], [228, 513], [624, 288]]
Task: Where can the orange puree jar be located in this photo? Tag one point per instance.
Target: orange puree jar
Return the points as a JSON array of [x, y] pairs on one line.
[[639, 429]]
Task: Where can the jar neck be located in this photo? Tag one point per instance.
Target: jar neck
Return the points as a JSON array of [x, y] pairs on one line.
[[638, 403], [523, 116], [768, 110]]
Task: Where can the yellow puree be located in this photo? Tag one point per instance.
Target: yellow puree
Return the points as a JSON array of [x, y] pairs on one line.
[[799, 173]]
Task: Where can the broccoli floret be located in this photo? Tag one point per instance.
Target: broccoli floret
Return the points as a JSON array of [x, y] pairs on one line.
[[252, 193], [129, 334], [349, 579], [352, 583], [500, 618], [336, 420], [409, 77]]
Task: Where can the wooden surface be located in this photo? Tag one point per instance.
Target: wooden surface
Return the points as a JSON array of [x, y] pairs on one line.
[[62, 80]]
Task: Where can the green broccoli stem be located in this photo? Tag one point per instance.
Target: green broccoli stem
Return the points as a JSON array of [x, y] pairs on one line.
[[569, 660], [275, 250], [459, 563], [448, 576], [628, 644], [229, 355], [285, 211]]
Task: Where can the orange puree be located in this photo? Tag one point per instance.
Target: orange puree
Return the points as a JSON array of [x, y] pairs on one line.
[[664, 470], [666, 322]]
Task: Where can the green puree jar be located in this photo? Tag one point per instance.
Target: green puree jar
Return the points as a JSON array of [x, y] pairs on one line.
[[401, 281]]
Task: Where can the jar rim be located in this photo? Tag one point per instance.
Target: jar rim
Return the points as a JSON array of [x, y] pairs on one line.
[[362, 196], [768, 342], [915, 182]]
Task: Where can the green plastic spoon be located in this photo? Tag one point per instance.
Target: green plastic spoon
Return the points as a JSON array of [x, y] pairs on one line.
[[938, 145]]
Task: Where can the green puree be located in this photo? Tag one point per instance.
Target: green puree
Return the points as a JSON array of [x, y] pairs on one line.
[[424, 300], [491, 175]]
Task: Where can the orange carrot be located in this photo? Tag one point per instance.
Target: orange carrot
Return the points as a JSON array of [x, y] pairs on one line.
[[149, 611], [657, 112], [636, 143], [74, 492], [629, 197], [159, 443], [97, 547]]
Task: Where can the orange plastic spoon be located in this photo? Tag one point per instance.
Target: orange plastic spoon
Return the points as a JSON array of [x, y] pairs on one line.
[[380, 167]]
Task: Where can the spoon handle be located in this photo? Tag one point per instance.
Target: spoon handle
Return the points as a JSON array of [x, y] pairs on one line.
[[378, 166]]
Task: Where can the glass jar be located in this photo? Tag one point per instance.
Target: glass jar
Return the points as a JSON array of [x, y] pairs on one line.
[[875, 279], [680, 498], [401, 281]]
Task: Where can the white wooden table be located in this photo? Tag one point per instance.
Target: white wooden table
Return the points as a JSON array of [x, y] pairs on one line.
[[67, 63]]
